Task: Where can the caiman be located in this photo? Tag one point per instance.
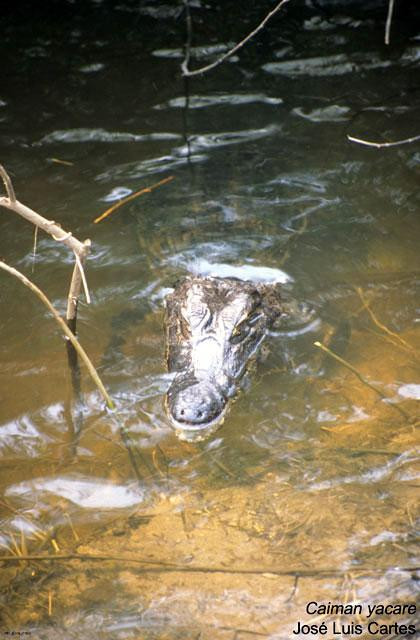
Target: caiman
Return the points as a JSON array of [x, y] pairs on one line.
[[214, 329]]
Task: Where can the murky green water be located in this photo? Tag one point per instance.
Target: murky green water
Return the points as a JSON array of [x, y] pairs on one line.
[[308, 491]]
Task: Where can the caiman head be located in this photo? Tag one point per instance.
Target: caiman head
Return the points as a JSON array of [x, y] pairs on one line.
[[213, 326]]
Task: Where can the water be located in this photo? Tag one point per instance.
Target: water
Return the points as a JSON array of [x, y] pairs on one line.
[[307, 492]]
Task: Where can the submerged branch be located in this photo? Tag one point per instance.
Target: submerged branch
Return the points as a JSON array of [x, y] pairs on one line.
[[361, 377], [169, 567], [380, 324], [351, 367], [184, 66], [68, 333]]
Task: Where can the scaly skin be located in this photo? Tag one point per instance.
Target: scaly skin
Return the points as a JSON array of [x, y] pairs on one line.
[[214, 327]]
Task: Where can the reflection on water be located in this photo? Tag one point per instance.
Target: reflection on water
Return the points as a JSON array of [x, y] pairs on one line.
[[307, 492]]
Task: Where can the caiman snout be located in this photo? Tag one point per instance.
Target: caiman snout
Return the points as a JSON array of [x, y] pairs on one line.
[[214, 326], [196, 406]]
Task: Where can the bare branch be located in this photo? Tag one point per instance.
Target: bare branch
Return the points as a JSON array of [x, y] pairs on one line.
[[69, 334], [80, 249], [49, 226], [380, 145], [184, 66], [388, 21]]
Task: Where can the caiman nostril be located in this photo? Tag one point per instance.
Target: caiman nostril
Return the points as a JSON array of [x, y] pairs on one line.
[[196, 404]]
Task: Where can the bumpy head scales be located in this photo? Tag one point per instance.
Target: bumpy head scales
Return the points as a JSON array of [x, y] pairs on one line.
[[214, 327]]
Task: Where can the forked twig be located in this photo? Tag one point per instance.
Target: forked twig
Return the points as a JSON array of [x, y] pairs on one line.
[[80, 249], [184, 66]]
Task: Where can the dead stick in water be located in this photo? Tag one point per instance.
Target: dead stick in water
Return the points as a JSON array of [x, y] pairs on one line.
[[120, 203], [378, 322], [163, 567], [68, 333], [361, 377], [186, 72]]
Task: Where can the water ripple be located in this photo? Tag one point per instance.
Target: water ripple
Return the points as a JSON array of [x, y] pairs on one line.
[[375, 474], [95, 493], [335, 65], [102, 135], [232, 99]]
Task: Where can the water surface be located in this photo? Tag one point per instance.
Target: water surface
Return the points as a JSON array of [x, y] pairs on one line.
[[308, 490]]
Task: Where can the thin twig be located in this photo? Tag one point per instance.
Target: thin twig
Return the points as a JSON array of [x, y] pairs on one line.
[[351, 367], [380, 145], [388, 21], [361, 377], [65, 162], [231, 52], [292, 239], [379, 323], [83, 276], [188, 22], [69, 334], [49, 226], [162, 567], [34, 248], [78, 277], [131, 197]]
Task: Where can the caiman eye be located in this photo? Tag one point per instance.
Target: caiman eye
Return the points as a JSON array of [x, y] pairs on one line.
[[240, 332]]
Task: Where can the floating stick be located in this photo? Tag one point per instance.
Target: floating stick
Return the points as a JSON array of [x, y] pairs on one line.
[[120, 203]]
